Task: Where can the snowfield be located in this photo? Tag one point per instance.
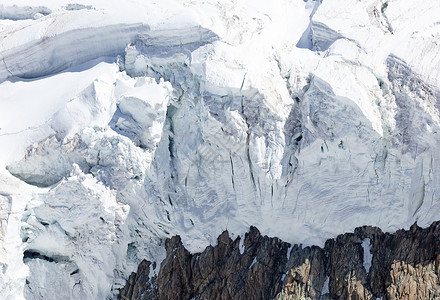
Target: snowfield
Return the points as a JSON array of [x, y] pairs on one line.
[[122, 125]]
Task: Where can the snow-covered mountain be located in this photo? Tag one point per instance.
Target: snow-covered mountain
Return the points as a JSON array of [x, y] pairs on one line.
[[123, 124]]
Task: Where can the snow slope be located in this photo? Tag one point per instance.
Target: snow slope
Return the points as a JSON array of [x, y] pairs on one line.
[[122, 125]]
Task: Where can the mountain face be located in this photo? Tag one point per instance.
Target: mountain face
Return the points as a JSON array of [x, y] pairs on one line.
[[124, 125], [366, 264]]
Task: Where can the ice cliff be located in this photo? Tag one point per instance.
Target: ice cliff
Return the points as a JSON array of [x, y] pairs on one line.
[[122, 125]]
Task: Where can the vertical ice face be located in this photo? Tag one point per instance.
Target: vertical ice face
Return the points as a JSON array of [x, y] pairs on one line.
[[305, 119]]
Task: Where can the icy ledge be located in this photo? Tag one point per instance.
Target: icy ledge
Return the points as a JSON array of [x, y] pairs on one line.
[[54, 54]]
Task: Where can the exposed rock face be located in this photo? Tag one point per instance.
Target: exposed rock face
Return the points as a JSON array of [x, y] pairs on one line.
[[366, 264]]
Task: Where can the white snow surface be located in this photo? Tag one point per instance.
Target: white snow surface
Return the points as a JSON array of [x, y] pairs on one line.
[[124, 124], [325, 287], [366, 245]]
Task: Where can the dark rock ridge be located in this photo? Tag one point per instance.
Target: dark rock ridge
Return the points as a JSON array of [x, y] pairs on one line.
[[400, 265]]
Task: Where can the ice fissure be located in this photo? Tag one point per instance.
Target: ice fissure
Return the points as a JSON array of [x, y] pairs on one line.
[[144, 121]]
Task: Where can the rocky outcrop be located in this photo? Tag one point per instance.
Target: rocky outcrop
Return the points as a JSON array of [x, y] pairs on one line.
[[366, 264]]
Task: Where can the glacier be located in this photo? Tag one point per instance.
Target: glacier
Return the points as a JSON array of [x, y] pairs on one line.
[[122, 125]]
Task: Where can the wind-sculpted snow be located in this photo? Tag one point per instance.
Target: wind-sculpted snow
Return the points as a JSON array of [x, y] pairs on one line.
[[305, 119]]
